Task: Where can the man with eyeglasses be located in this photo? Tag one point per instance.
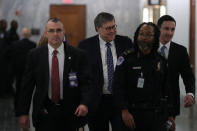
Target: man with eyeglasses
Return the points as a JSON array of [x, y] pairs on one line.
[[102, 51], [58, 75]]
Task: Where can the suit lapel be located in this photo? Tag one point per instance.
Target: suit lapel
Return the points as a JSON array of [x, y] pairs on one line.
[[96, 47], [118, 47], [171, 52], [44, 57], [67, 64]]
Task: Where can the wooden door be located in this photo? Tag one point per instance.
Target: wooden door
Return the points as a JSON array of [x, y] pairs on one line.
[[73, 18]]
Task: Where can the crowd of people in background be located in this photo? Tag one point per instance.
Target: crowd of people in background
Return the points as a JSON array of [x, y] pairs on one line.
[[7, 38], [108, 79]]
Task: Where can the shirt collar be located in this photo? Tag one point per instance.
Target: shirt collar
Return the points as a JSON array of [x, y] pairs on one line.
[[167, 45], [60, 49], [102, 42]]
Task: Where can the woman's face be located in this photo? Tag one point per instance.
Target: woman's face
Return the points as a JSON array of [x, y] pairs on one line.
[[145, 39]]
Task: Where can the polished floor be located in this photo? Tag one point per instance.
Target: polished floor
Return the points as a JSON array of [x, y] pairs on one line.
[[187, 121], [8, 122]]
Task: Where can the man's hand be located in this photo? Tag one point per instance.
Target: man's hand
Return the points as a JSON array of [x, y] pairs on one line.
[[82, 110], [128, 119], [188, 101], [24, 122]]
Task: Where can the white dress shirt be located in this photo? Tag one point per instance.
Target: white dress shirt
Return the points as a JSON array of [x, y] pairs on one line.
[[60, 56], [167, 45], [103, 50]]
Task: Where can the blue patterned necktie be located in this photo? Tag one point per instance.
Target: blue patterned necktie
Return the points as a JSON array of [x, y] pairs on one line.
[[163, 51], [110, 66]]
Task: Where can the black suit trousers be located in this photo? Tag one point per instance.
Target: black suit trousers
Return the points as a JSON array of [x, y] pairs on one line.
[[147, 120], [106, 114], [53, 120]]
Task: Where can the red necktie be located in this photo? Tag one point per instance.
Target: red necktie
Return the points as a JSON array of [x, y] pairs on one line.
[[55, 80]]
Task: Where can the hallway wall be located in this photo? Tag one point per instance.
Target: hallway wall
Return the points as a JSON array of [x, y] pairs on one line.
[[180, 11], [34, 13]]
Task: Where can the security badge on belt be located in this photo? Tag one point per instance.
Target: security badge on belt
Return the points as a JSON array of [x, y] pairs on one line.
[[72, 76], [140, 82]]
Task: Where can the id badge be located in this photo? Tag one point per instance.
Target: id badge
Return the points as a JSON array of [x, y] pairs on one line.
[[73, 79], [140, 83]]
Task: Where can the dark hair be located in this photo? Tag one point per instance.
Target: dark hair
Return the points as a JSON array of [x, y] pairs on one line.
[[3, 24], [14, 24], [54, 19], [156, 35], [102, 18], [165, 18]]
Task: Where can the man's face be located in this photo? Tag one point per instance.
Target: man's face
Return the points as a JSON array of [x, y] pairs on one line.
[[145, 38], [4, 25], [54, 33], [107, 31], [14, 25], [167, 31]]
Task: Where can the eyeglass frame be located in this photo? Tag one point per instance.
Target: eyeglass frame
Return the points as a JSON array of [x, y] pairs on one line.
[[109, 28], [52, 31]]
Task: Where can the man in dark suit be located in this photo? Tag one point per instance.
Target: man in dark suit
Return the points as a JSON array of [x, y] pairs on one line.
[[3, 48], [12, 34], [16, 56], [11, 37], [178, 63], [102, 51], [58, 75]]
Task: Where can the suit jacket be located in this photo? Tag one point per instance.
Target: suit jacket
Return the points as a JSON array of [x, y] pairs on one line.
[[3, 66], [12, 36], [37, 75], [92, 48], [179, 64]]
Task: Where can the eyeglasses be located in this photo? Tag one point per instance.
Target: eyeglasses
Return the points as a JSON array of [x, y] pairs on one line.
[[110, 28], [53, 31]]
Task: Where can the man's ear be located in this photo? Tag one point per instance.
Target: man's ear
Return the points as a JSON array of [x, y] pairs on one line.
[[45, 33], [97, 29]]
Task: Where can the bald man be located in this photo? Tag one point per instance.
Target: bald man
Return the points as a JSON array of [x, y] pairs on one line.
[[16, 55], [26, 33]]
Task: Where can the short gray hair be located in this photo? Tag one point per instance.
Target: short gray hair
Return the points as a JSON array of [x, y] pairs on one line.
[[102, 18], [54, 20]]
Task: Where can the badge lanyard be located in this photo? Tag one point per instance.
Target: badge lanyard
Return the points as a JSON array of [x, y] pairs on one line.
[[140, 82]]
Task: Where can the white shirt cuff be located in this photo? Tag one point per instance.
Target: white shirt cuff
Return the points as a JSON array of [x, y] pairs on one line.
[[191, 94]]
